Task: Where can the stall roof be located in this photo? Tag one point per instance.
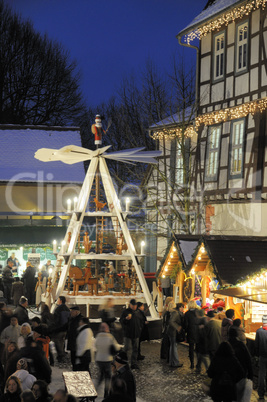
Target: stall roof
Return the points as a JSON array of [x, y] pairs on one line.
[[250, 294], [233, 258]]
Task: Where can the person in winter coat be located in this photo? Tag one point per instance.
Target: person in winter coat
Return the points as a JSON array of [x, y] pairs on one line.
[[225, 372], [10, 351], [191, 329], [244, 358], [84, 344], [201, 343], [75, 317], [17, 291], [226, 323], [175, 325], [104, 343], [40, 337], [213, 333], [260, 349], [239, 330], [25, 335], [144, 334], [107, 314], [165, 343], [7, 280], [30, 282], [61, 321], [118, 392], [26, 379], [13, 390], [21, 310], [121, 370], [12, 332], [131, 331], [40, 391]]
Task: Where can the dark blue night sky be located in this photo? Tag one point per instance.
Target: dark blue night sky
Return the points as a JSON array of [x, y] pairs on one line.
[[112, 38]]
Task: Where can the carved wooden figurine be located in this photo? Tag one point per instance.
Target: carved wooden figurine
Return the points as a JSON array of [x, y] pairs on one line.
[[87, 243]]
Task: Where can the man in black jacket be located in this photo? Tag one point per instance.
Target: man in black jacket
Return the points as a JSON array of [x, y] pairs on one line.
[[75, 316], [61, 320], [21, 310], [122, 370], [261, 351], [131, 331]]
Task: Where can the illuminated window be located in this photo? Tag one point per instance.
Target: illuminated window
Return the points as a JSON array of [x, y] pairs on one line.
[[219, 47], [213, 150], [242, 47], [179, 179], [237, 147]]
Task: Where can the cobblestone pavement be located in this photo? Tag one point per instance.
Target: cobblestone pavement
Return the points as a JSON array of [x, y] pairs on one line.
[[155, 381]]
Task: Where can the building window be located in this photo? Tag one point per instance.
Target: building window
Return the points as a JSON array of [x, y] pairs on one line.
[[219, 47], [179, 179], [242, 47], [213, 150], [237, 148]]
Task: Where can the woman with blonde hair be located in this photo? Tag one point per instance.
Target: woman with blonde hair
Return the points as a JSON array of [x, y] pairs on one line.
[[191, 329], [25, 334]]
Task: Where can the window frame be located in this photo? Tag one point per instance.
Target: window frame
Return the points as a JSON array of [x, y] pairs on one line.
[[242, 69], [232, 148], [214, 177], [220, 77]]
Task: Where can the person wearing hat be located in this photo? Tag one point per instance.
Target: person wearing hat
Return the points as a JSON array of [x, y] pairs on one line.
[[260, 350], [29, 282], [22, 373], [41, 338], [121, 369], [21, 310], [131, 331], [213, 333], [75, 317]]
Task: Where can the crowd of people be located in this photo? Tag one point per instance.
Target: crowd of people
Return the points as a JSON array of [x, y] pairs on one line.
[[216, 342], [27, 353]]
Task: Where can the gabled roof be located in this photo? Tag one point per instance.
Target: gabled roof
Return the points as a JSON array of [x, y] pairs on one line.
[[19, 144], [214, 9], [174, 119], [233, 258]]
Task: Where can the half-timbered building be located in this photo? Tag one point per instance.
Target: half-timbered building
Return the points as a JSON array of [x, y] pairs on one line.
[[230, 172]]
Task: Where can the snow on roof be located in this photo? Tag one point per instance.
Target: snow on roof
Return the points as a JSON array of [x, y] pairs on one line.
[[175, 118], [215, 8], [18, 146]]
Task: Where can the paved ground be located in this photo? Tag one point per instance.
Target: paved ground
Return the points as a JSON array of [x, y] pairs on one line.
[[155, 380]]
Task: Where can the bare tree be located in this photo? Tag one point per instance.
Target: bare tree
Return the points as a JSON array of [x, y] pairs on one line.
[[38, 82]]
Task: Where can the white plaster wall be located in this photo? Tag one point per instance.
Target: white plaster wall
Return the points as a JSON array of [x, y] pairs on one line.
[[231, 33], [205, 69], [254, 50], [236, 183], [250, 137], [246, 219], [254, 79], [263, 76], [241, 84], [206, 44], [265, 176], [230, 58], [250, 178], [217, 92], [229, 90], [255, 21], [223, 177], [251, 121], [204, 94], [224, 152]]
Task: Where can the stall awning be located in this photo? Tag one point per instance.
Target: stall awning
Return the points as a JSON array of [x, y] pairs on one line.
[[251, 294]]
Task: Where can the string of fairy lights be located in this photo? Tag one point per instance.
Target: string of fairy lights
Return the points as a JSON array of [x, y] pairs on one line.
[[225, 19], [211, 118]]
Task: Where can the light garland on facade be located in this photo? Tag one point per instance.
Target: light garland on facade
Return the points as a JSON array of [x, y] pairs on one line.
[[225, 19], [257, 279], [236, 112], [170, 134]]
